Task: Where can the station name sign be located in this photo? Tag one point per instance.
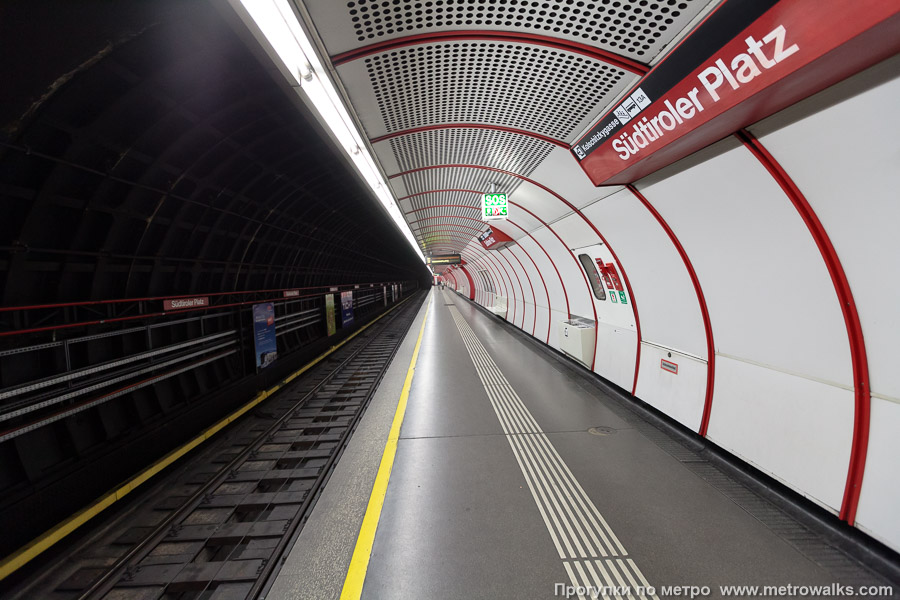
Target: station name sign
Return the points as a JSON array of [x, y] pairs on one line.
[[182, 303], [747, 60], [444, 259]]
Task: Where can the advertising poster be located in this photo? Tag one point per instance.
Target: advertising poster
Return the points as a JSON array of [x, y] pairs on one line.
[[346, 308], [329, 314], [264, 334]]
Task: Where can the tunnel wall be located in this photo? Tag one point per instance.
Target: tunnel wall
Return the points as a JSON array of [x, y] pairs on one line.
[[732, 262]]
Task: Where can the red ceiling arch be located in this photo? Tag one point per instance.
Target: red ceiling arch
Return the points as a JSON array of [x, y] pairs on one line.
[[525, 132], [617, 60]]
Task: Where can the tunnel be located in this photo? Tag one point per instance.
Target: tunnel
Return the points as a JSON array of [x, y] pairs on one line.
[[530, 298]]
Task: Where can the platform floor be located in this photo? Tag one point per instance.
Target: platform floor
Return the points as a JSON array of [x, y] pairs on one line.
[[499, 489]]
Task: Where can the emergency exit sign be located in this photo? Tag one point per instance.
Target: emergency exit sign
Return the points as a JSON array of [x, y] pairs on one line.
[[494, 207]]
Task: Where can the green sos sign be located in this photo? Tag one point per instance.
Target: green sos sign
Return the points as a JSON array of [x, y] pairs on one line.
[[494, 206]]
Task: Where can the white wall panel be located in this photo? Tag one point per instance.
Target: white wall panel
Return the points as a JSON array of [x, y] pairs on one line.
[[524, 220], [514, 291], [528, 326], [615, 354], [517, 317], [793, 428], [528, 289], [880, 497], [498, 282], [580, 302], [552, 282], [545, 205], [556, 317], [854, 188], [541, 323], [681, 395], [562, 174], [769, 294], [667, 303], [575, 231]]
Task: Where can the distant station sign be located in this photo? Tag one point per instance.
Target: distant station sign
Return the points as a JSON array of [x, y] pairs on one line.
[[291, 293], [182, 303], [443, 259], [494, 207], [746, 61]]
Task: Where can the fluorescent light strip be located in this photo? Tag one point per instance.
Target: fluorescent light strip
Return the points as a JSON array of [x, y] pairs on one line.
[[278, 23]]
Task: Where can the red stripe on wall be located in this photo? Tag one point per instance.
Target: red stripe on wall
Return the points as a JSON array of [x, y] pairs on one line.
[[862, 394], [704, 311]]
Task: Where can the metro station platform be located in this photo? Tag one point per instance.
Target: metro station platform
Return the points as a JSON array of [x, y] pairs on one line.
[[518, 474]]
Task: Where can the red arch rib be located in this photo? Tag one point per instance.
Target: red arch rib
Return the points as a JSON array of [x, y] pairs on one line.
[[525, 132], [704, 311], [859, 359], [622, 62]]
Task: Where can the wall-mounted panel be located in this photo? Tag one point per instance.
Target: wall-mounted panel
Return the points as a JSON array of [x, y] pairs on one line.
[[880, 497], [543, 204], [575, 231], [795, 429], [615, 354], [547, 276], [562, 174], [854, 186], [673, 383], [770, 297], [580, 302], [669, 312]]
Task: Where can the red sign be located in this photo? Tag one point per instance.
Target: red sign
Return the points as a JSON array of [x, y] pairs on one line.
[[291, 293], [494, 239], [746, 61], [606, 278], [182, 303], [667, 365]]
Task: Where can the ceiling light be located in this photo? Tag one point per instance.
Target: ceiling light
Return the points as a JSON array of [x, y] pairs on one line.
[[275, 25]]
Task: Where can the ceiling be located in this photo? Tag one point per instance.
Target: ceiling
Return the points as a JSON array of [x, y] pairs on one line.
[[455, 96]]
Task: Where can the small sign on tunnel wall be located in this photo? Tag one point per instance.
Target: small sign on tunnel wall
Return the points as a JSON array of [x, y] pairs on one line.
[[264, 334], [667, 365]]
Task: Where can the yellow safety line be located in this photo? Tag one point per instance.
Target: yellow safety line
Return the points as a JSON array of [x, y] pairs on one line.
[[35, 547], [359, 563]]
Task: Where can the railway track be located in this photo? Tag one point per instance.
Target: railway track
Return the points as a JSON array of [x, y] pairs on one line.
[[219, 526]]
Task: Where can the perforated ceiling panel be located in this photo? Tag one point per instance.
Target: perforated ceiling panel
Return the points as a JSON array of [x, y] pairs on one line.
[[550, 92], [441, 203], [459, 179], [637, 29], [487, 147], [414, 71]]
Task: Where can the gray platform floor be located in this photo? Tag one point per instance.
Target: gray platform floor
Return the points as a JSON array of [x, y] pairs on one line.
[[476, 509]]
